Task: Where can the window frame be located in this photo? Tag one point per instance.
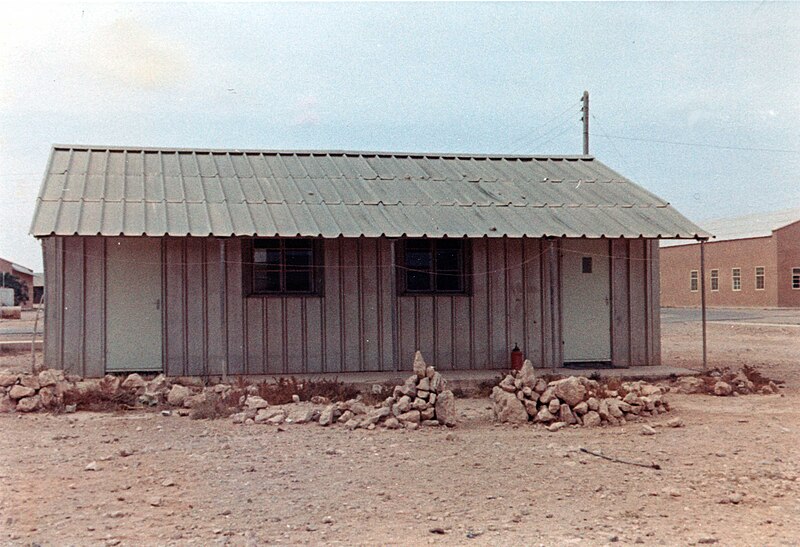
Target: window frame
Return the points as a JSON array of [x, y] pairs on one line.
[[250, 267], [736, 278], [694, 280], [795, 278], [401, 270], [762, 276], [714, 284]]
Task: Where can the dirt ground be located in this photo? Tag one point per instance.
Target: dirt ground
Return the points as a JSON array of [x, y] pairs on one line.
[[731, 476]]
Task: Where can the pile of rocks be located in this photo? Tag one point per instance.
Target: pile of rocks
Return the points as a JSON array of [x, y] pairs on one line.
[[422, 400], [52, 389], [726, 383], [521, 397], [31, 392]]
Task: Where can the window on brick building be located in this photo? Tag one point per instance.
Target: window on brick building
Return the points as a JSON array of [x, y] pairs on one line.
[[693, 281], [736, 279], [760, 278]]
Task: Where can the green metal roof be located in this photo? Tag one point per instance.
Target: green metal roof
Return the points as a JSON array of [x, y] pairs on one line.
[[155, 192]]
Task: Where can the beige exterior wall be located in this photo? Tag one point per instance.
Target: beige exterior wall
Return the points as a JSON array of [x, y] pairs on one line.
[[746, 254], [359, 323], [788, 252]]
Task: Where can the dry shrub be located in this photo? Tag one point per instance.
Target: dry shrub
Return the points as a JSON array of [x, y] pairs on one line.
[[485, 387], [281, 390], [99, 400], [755, 376], [212, 408]]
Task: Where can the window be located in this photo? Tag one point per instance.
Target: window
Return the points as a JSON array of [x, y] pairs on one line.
[[284, 267], [796, 278], [760, 281], [714, 280], [586, 264], [433, 266], [736, 279], [693, 279]]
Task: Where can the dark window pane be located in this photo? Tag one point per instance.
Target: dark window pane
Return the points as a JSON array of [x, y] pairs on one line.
[[418, 281], [448, 281], [434, 265], [587, 264], [418, 260], [266, 281], [448, 259], [298, 281], [273, 258], [300, 257]]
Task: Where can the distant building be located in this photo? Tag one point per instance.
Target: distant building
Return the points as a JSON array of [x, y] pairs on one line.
[[24, 274], [753, 261], [38, 287]]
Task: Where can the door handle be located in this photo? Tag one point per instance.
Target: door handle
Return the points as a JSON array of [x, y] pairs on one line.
[[158, 303]]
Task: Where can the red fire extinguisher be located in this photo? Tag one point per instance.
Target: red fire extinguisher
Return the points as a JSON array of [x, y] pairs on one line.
[[516, 358]]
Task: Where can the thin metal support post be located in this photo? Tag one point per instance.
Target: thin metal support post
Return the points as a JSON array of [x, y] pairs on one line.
[[33, 339], [703, 300]]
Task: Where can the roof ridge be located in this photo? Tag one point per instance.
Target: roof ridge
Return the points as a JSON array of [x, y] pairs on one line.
[[323, 152]]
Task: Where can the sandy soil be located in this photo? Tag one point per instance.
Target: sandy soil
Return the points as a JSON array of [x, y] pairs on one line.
[[729, 477]]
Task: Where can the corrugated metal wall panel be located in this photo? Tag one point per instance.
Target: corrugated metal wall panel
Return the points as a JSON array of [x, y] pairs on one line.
[[52, 298], [235, 309], [620, 306], [94, 353], [637, 302], [360, 324], [479, 308], [654, 304], [196, 306], [74, 310], [532, 299], [174, 309]]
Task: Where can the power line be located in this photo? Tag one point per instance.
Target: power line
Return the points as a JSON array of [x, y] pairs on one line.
[[548, 141], [563, 126], [570, 108], [605, 134], [701, 145]]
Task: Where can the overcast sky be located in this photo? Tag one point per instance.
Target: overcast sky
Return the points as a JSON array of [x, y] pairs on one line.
[[478, 77]]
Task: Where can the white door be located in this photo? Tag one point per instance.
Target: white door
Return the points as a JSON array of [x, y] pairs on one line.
[[586, 290], [133, 305]]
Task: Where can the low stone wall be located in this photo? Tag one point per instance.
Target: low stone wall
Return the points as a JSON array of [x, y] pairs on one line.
[[422, 400], [522, 397], [727, 383]]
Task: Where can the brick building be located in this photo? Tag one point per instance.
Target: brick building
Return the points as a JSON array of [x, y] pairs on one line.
[[754, 261]]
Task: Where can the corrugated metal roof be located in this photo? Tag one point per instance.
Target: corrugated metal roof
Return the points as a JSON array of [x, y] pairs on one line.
[[747, 226], [179, 192]]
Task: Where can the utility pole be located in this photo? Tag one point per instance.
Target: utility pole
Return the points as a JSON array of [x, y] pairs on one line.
[[585, 120]]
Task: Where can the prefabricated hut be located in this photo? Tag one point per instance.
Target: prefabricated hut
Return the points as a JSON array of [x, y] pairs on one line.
[[204, 262]]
